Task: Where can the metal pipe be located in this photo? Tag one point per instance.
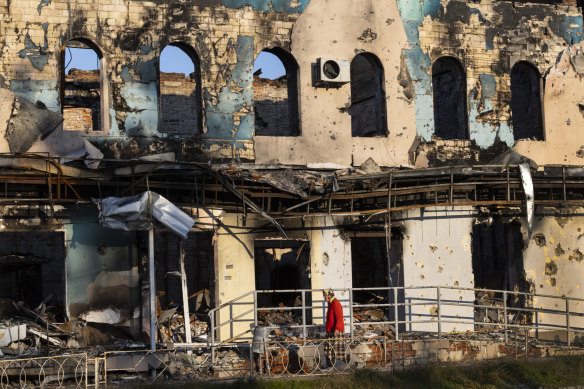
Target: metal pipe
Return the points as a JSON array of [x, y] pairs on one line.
[[185, 293], [152, 289]]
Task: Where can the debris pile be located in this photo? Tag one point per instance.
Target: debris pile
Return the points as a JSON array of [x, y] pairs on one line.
[[171, 327]]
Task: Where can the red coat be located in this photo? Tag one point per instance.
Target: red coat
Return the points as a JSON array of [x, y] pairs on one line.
[[334, 317]]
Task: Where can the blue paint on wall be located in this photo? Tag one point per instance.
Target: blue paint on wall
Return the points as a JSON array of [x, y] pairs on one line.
[[146, 70], [488, 85], [570, 28], [268, 5], [37, 54], [43, 3], [142, 98], [45, 91], [236, 95], [84, 262]]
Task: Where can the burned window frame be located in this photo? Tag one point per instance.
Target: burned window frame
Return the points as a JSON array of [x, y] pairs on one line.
[[192, 54], [293, 89], [462, 109], [537, 132], [104, 93], [381, 129]]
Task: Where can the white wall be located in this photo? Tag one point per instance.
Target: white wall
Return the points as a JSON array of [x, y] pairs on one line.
[[437, 252]]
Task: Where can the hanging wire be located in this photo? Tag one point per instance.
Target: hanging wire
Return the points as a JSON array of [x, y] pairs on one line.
[[70, 59]]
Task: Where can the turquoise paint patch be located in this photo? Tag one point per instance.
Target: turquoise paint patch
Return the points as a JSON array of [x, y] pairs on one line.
[[144, 49], [484, 134], [143, 99], [412, 31], [488, 85], [410, 10], [114, 128], [45, 91], [433, 8], [43, 3], [37, 54], [268, 5], [125, 74], [84, 263], [219, 117], [571, 28], [424, 111], [146, 70]]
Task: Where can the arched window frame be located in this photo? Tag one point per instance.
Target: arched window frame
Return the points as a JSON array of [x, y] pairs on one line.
[[292, 77], [104, 94], [381, 106], [192, 54], [462, 115], [539, 83]]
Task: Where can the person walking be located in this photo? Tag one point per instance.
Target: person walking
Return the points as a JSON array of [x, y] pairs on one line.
[[335, 328]]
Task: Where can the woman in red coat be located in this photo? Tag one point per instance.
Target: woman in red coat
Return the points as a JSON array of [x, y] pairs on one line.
[[335, 328]]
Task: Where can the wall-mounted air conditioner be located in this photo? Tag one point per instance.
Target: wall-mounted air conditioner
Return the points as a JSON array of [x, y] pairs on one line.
[[332, 72]]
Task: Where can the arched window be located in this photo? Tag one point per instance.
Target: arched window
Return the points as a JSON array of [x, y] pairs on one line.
[[180, 90], [368, 111], [275, 83], [83, 87], [526, 102], [449, 91]]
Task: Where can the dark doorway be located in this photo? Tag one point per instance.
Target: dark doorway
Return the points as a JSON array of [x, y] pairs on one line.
[[449, 92], [282, 265], [275, 83], [32, 269], [199, 269], [497, 261], [370, 263], [368, 108], [526, 102]]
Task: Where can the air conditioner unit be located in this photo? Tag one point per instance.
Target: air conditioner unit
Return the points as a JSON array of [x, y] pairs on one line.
[[332, 72]]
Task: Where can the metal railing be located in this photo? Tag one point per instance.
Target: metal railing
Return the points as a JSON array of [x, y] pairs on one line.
[[437, 310], [55, 371]]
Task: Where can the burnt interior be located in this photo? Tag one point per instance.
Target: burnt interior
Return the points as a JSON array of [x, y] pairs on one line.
[[199, 270], [526, 102], [372, 268], [282, 265], [32, 269], [368, 109], [81, 90], [497, 262], [276, 101], [449, 94], [180, 96]]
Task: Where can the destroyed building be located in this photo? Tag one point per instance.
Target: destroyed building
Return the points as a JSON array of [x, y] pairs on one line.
[[411, 144]]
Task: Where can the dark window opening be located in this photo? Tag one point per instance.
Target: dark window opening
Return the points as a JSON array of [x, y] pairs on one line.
[[275, 83], [449, 96], [497, 261], [82, 92], [199, 269], [282, 265], [369, 263], [368, 108], [180, 90], [32, 270], [526, 113]]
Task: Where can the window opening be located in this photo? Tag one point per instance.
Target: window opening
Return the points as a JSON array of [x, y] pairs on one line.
[[497, 261], [180, 90], [282, 265], [82, 91], [449, 92], [275, 83], [369, 264], [526, 112], [368, 108]]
